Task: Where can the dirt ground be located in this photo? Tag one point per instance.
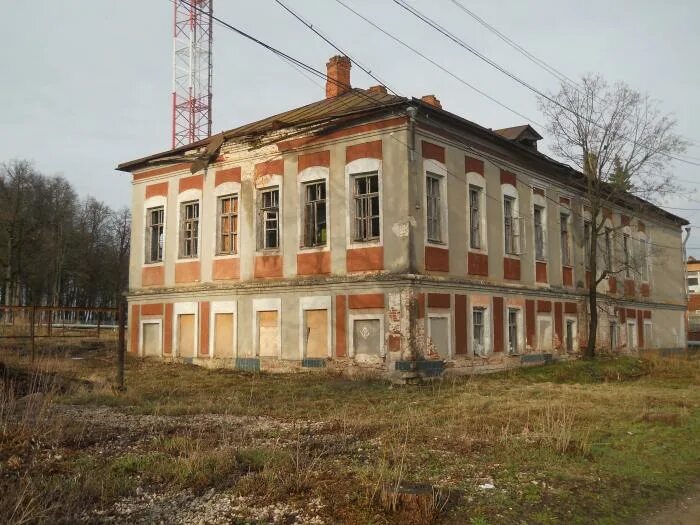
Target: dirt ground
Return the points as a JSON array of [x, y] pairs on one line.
[[579, 442], [682, 511]]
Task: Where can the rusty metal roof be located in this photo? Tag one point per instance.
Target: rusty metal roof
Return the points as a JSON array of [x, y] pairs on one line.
[[354, 102], [516, 132]]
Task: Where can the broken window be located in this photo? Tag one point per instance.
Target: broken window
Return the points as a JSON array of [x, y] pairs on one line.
[[228, 225], [509, 226], [315, 225], [475, 217], [478, 333], [189, 229], [154, 234], [268, 227], [366, 199], [564, 235], [538, 219], [433, 208]]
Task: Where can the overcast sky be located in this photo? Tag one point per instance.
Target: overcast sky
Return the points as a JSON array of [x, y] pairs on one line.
[[86, 83]]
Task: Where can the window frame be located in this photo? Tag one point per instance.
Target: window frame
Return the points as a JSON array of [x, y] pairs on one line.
[[148, 234], [314, 205], [433, 209], [441, 315], [267, 304], [194, 223], [565, 229], [354, 168], [231, 215], [262, 219], [485, 332], [509, 193], [366, 218], [517, 310], [477, 182]]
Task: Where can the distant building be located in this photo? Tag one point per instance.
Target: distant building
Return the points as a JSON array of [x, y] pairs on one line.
[[372, 230]]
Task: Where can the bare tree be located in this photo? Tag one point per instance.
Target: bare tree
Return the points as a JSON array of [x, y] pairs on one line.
[[623, 144]]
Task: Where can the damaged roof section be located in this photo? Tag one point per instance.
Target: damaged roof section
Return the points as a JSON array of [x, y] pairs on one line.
[[353, 104]]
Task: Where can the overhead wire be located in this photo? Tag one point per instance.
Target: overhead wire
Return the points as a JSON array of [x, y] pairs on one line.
[[427, 20], [436, 64]]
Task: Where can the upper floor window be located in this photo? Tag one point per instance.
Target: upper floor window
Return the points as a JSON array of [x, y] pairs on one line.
[[228, 225], [510, 226], [608, 249], [538, 219], [315, 225], [154, 233], [189, 229], [626, 254], [268, 219], [366, 212], [475, 217], [433, 208], [587, 243], [644, 259], [564, 236]]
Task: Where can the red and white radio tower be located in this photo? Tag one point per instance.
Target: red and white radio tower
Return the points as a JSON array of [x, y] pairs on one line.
[[192, 71]]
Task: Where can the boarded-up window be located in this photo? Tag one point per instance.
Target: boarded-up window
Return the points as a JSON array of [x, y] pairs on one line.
[[367, 337], [185, 335], [439, 336], [544, 333], [151, 339], [268, 334], [223, 335], [316, 333], [647, 336]]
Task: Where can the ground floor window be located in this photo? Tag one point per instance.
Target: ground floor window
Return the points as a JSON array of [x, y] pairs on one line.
[[631, 335], [223, 334], [151, 339], [186, 334], [612, 335], [367, 336], [513, 331], [544, 333], [315, 336], [439, 335], [648, 343], [268, 333]]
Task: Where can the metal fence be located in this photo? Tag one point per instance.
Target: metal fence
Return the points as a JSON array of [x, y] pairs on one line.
[[57, 321]]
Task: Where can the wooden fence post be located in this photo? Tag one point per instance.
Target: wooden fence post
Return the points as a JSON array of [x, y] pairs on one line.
[[122, 345]]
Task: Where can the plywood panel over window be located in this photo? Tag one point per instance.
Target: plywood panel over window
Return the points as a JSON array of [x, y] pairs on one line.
[[367, 337], [268, 333], [185, 335], [223, 335], [316, 333], [544, 333], [151, 339], [439, 336]]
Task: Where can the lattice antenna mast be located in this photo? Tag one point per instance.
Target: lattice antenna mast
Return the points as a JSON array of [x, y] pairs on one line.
[[192, 71]]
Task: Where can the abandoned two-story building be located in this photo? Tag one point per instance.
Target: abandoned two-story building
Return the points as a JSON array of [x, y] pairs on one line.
[[373, 230]]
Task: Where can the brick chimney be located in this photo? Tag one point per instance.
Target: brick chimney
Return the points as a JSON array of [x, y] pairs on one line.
[[338, 72], [432, 100]]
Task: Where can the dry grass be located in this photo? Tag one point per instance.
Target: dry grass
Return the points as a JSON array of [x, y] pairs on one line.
[[546, 439]]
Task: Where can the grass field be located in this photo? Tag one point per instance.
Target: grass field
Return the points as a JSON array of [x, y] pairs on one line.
[[579, 442]]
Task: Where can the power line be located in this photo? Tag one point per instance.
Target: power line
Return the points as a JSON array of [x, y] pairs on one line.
[[532, 58], [334, 46], [404, 5], [436, 64]]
